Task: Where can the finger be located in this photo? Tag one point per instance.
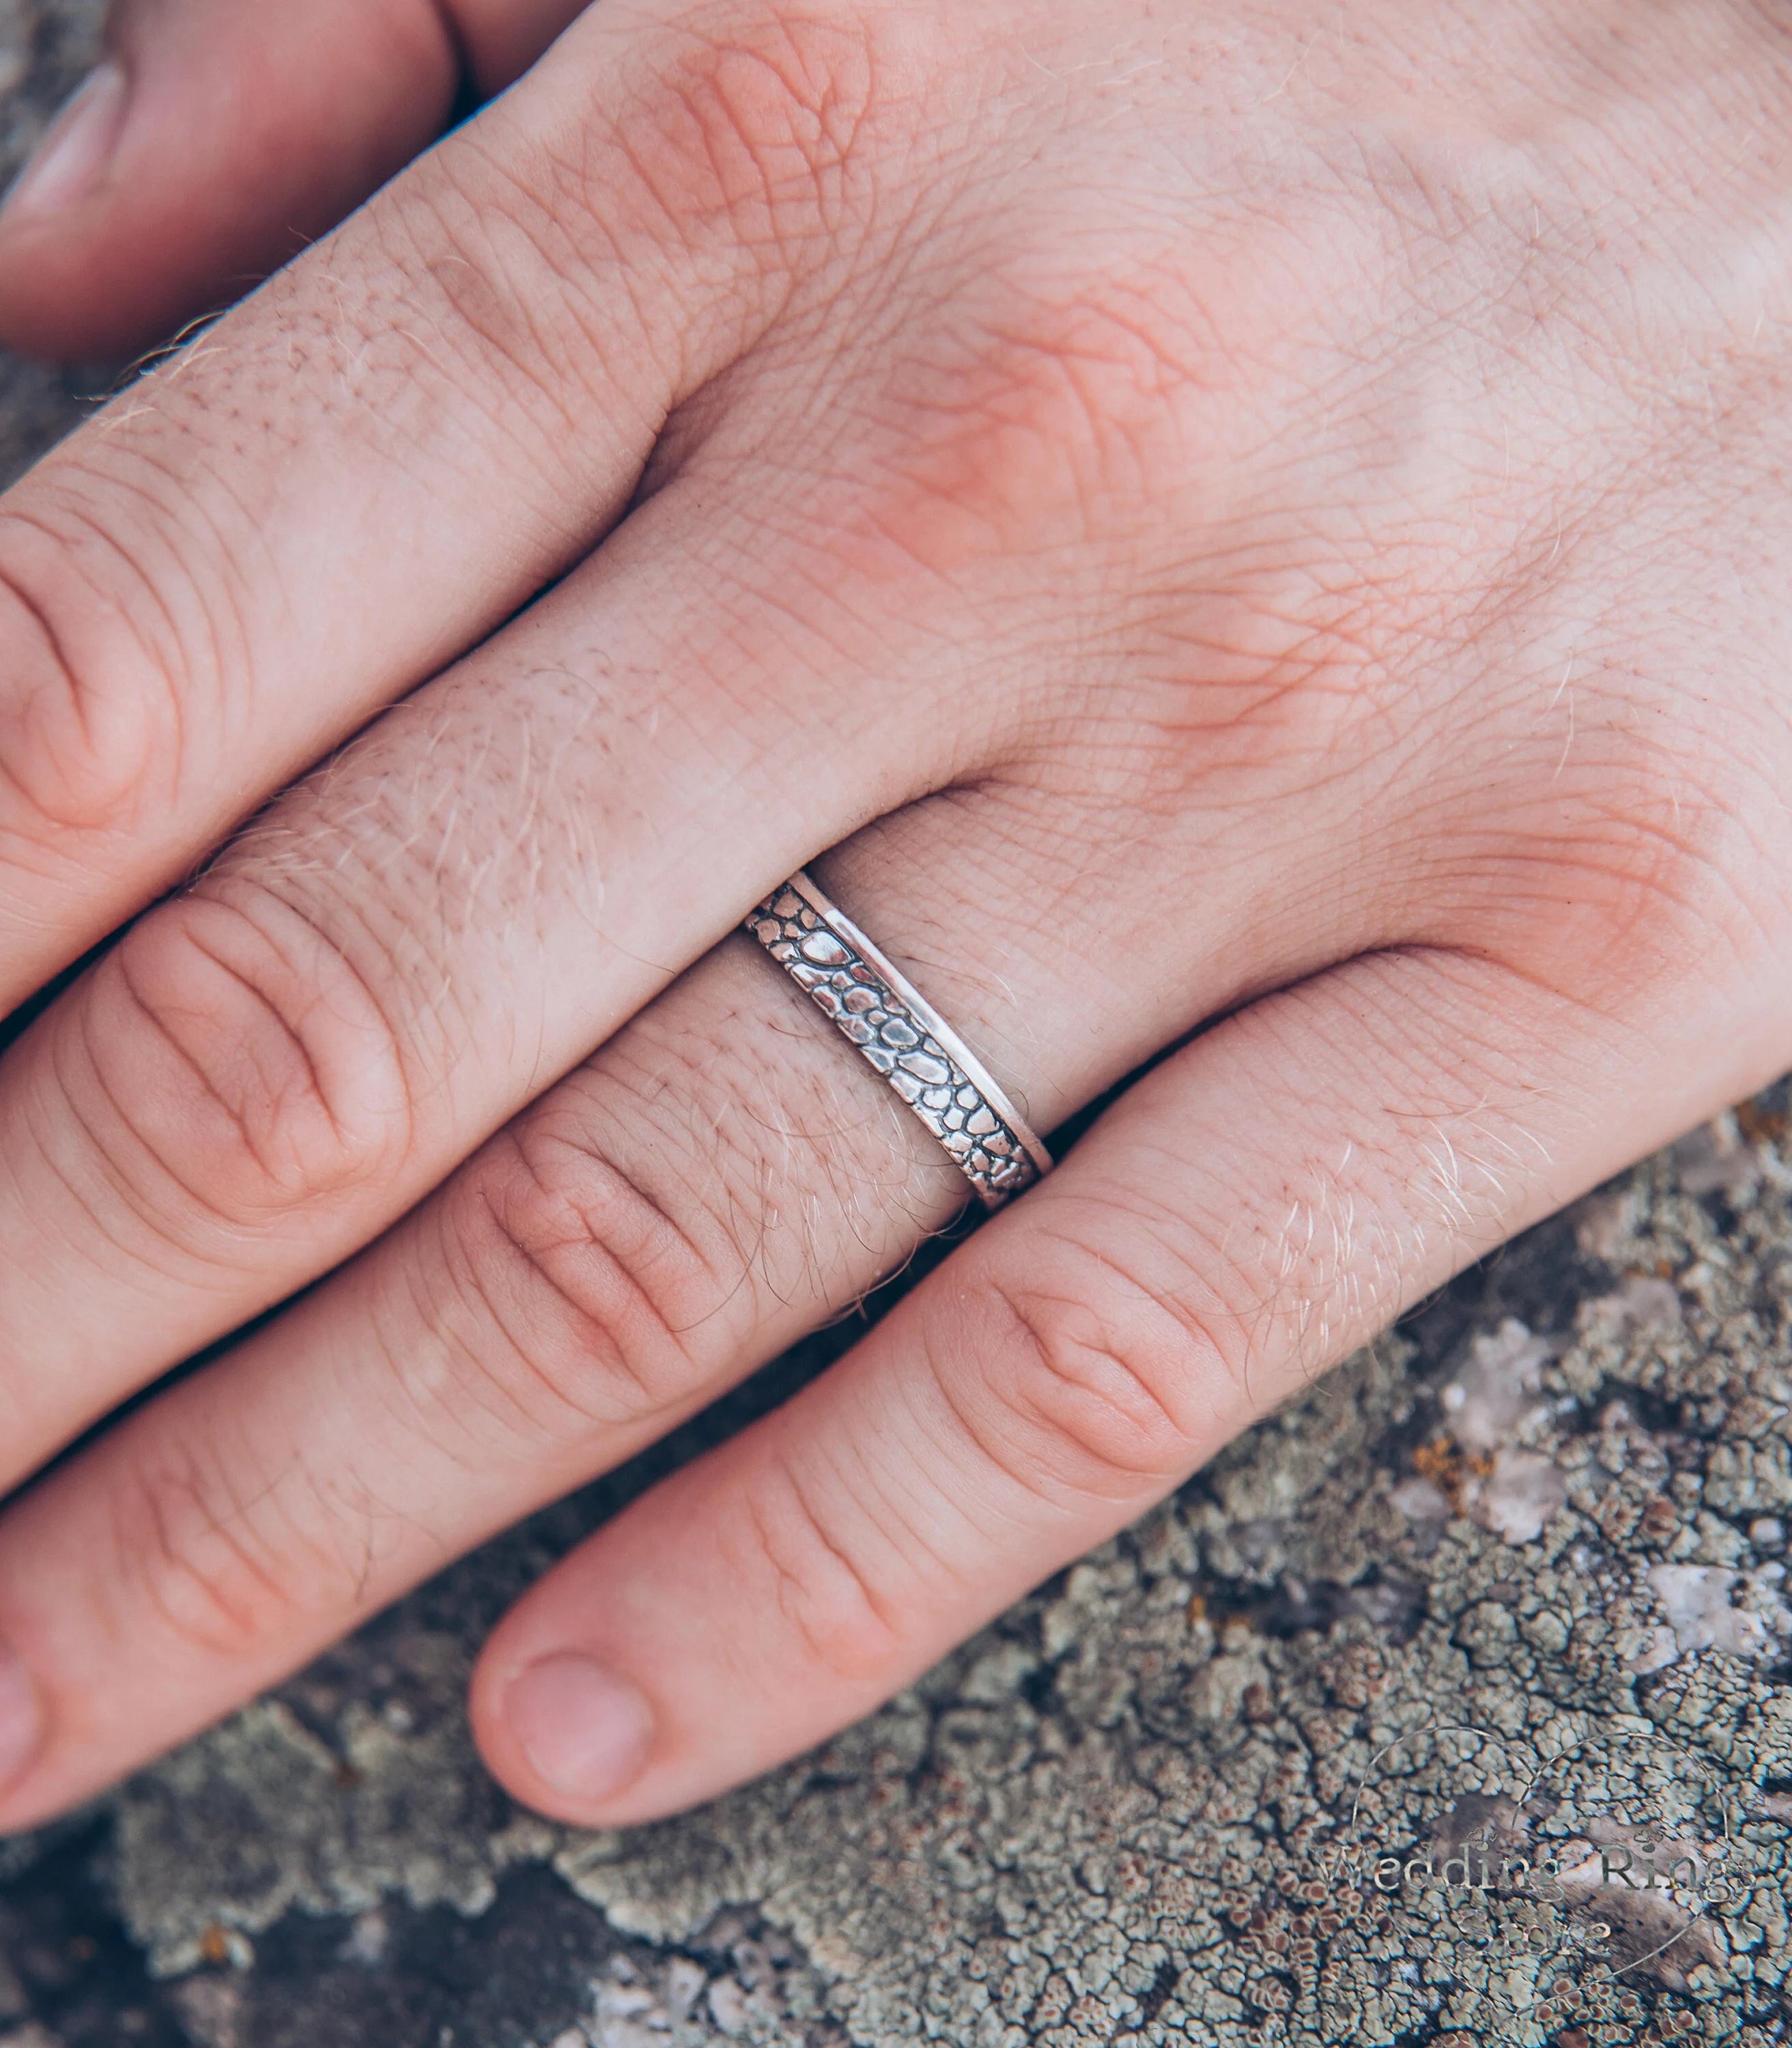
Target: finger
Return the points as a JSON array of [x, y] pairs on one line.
[[217, 138], [247, 554], [669, 1216], [1249, 1212], [269, 1068], [718, 1177], [214, 141]]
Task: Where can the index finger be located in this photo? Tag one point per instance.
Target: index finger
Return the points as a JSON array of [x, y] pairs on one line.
[[370, 463]]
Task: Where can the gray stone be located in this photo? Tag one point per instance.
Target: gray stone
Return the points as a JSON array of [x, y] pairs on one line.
[[44, 51]]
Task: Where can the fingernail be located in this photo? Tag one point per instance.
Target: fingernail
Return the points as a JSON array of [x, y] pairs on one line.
[[74, 154], [21, 1718], [585, 1729]]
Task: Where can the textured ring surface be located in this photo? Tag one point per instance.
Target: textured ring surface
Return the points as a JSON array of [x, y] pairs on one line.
[[899, 1033]]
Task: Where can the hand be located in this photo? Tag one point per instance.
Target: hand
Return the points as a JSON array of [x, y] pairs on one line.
[[1243, 529]]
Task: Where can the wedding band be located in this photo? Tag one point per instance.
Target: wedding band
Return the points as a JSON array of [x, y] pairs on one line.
[[900, 1034]]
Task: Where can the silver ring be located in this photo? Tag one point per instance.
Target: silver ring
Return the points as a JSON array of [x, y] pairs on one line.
[[900, 1034]]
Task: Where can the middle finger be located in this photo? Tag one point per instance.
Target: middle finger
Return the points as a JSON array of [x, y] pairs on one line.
[[359, 474], [267, 1069]]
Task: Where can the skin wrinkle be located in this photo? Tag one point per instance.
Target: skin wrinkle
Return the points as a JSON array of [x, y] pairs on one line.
[[669, 1105], [378, 831], [157, 491], [358, 1508], [904, 1519], [723, 1286], [41, 621], [1175, 1314], [1068, 1453], [798, 1145], [948, 486], [343, 990], [425, 1399], [102, 1218], [147, 1209], [605, 1358], [53, 1422], [783, 1537], [113, 791], [311, 1081], [746, 131], [223, 615], [355, 1525], [186, 1539], [820, 585], [747, 1220], [951, 1505], [199, 1199], [439, 1379]]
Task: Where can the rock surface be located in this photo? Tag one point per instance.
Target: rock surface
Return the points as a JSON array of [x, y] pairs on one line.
[[1504, 1593], [44, 50]]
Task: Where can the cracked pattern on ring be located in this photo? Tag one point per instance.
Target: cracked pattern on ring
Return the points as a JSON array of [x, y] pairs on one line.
[[896, 1043]]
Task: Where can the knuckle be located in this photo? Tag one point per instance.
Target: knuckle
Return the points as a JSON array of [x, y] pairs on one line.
[[755, 117], [242, 1057], [1659, 843], [722, 170], [593, 1296], [93, 733], [1094, 1382], [1059, 400], [808, 1559], [645, 1225], [192, 1546]]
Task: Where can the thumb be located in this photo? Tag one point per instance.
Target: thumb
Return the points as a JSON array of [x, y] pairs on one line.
[[212, 140]]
